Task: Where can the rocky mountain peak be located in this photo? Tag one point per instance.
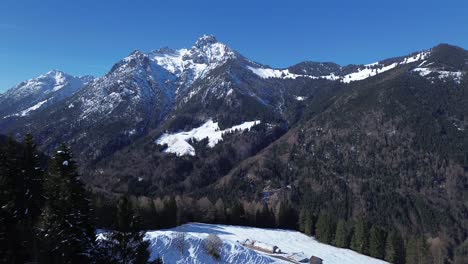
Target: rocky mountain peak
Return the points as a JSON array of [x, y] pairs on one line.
[[205, 40]]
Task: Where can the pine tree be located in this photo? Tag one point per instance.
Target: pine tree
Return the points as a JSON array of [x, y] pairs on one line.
[[287, 217], [360, 240], [309, 228], [65, 226], [377, 243], [31, 192], [324, 229], [416, 251], [125, 244], [237, 213], [170, 213], [10, 246], [394, 250], [268, 216], [303, 214], [341, 235], [220, 211]]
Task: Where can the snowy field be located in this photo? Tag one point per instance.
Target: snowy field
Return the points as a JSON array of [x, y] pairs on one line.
[[178, 142], [163, 244]]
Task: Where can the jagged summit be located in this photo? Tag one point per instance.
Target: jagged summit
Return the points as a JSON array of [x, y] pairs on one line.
[[206, 40]]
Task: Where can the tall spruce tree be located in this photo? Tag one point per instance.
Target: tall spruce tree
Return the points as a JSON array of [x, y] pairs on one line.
[[306, 221], [360, 240], [394, 248], [21, 200], [377, 242], [416, 251], [169, 214], [66, 228], [324, 229], [237, 214], [10, 245], [31, 193], [125, 244], [287, 216], [341, 235]]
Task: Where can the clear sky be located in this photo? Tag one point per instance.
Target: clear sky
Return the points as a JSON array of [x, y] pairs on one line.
[[88, 36]]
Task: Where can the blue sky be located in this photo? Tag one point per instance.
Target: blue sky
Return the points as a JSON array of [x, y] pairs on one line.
[[89, 36]]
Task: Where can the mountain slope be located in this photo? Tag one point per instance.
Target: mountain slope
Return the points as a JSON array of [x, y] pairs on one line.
[[292, 243], [40, 92], [391, 148]]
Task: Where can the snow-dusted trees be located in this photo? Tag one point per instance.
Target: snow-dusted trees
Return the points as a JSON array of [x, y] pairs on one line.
[[125, 244], [20, 200], [66, 230], [8, 171]]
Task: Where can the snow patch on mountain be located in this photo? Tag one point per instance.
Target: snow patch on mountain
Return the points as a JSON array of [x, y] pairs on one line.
[[375, 68], [32, 108], [266, 73], [362, 72], [178, 142], [367, 71], [440, 74], [293, 246]]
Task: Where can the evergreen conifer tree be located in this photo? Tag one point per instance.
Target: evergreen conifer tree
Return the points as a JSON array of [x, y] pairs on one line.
[[125, 244], [377, 243], [416, 251], [360, 240], [394, 248], [66, 228], [10, 245], [324, 229], [32, 198], [341, 235]]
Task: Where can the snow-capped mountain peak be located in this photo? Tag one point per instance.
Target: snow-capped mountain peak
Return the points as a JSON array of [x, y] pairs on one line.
[[187, 65], [190, 64], [51, 81], [39, 92], [206, 40]]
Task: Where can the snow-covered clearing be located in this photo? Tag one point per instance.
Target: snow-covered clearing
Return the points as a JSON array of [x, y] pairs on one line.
[[363, 72], [293, 245], [178, 142], [32, 108]]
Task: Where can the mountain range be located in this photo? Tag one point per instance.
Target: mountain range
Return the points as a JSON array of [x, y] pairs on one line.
[[387, 140]]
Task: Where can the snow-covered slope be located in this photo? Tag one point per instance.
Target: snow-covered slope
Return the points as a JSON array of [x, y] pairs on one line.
[[360, 72], [178, 142], [164, 244], [40, 92]]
